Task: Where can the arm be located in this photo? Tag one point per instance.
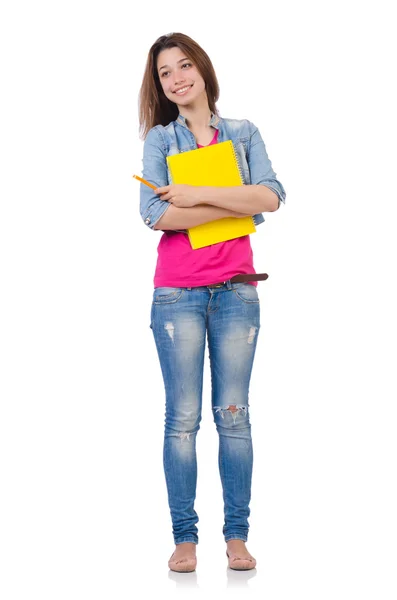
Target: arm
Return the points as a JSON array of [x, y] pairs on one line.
[[155, 171], [184, 218], [252, 199], [264, 192], [260, 166], [157, 213]]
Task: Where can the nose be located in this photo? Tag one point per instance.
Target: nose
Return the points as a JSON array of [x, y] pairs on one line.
[[179, 78], [179, 81]]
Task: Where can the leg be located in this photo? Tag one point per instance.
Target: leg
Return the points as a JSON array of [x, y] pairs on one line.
[[232, 336], [178, 326]]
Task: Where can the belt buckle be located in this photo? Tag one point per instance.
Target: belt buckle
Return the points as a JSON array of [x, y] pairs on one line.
[[217, 285]]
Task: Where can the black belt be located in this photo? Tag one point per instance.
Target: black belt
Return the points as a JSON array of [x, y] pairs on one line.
[[243, 278]]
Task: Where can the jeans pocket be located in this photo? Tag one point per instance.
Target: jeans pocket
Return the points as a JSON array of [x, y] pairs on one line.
[[247, 293], [167, 295]]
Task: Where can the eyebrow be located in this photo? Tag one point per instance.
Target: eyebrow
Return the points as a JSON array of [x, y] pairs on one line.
[[182, 59]]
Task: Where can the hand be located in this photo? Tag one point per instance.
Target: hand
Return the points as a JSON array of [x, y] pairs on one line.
[[180, 195]]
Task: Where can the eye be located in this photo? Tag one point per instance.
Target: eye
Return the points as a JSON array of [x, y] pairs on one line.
[[184, 65]]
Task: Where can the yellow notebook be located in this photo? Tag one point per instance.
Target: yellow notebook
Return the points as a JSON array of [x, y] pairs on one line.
[[215, 165]]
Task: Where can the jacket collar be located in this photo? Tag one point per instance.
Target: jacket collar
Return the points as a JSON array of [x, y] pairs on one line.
[[214, 121]]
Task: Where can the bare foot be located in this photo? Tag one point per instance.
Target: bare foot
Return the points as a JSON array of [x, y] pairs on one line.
[[183, 559], [239, 557]]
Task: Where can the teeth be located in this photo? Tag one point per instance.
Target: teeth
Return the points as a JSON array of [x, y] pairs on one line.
[[182, 90]]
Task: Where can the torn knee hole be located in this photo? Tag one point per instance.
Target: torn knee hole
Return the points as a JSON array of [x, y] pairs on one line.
[[233, 409]]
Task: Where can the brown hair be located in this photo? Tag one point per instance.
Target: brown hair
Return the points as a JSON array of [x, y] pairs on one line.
[[154, 106]]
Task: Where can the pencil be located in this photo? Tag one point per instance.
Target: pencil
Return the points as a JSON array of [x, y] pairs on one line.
[[145, 182]]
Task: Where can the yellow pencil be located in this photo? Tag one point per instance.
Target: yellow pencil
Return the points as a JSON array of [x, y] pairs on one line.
[[145, 182]]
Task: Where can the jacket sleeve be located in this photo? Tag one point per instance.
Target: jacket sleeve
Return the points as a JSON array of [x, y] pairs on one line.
[[261, 171], [154, 171]]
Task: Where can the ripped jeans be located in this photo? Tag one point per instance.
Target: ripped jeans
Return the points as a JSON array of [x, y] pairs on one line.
[[181, 318]]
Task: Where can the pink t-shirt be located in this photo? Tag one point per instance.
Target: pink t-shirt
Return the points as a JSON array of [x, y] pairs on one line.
[[178, 265]]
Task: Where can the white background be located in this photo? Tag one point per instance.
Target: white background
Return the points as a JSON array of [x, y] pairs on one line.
[[84, 512]]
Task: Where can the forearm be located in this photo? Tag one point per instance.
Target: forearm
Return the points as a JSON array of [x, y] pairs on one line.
[[184, 218], [250, 199]]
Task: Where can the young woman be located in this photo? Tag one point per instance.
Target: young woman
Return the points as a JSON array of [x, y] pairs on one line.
[[203, 292]]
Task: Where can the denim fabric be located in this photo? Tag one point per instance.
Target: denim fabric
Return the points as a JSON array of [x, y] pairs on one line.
[[181, 320], [160, 142]]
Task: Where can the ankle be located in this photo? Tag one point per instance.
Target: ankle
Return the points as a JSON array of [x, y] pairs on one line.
[[185, 547], [236, 542]]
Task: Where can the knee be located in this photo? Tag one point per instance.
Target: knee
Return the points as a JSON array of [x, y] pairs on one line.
[[183, 425], [232, 415]]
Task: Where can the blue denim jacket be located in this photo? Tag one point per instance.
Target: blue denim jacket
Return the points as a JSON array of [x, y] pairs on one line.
[[176, 137]]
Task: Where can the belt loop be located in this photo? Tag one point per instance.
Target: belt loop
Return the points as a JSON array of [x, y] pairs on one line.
[[229, 285]]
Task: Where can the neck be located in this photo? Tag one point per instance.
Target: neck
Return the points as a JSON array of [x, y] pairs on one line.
[[197, 116]]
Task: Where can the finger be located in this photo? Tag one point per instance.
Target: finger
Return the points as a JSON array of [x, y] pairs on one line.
[[162, 190]]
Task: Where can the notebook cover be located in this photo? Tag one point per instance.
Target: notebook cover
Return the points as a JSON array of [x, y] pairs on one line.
[[215, 165]]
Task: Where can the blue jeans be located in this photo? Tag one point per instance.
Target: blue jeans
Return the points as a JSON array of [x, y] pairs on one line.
[[180, 319]]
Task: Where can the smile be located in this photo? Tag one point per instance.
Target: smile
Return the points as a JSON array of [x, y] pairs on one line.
[[183, 91]]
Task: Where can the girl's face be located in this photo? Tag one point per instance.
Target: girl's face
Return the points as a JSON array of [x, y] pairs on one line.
[[179, 78]]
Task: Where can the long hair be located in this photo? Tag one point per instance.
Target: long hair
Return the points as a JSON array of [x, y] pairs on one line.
[[154, 106]]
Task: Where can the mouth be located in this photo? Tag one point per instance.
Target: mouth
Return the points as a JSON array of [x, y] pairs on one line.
[[183, 91]]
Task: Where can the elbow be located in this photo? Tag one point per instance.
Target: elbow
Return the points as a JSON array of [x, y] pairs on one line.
[[152, 219], [272, 205], [270, 202], [165, 221], [275, 204], [158, 226], [161, 223]]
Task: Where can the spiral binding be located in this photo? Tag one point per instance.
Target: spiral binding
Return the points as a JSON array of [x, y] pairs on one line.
[[239, 170], [237, 161]]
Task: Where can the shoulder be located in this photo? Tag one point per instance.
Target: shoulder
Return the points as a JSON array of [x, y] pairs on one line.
[[154, 134], [157, 137], [239, 126], [160, 133]]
